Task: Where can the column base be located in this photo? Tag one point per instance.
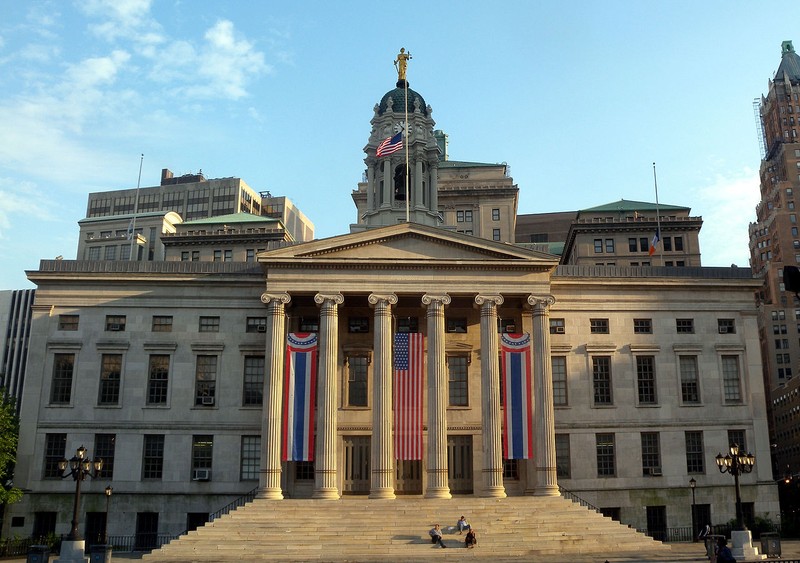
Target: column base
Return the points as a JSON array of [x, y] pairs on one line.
[[73, 551], [494, 492], [326, 494], [742, 546], [547, 491], [270, 494], [382, 494], [438, 493]]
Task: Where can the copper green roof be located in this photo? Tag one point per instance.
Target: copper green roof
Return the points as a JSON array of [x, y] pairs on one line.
[[626, 205], [398, 96], [790, 63], [232, 218]]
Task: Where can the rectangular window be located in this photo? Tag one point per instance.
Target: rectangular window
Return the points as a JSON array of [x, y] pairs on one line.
[[727, 326], [644, 246], [205, 381], [457, 367], [158, 379], [667, 244], [408, 324], [601, 378], [115, 323], [161, 323], [250, 255], [185, 256], [646, 380], [303, 470], [68, 322], [495, 234], [511, 470], [104, 446], [110, 378], [559, 371], [253, 386], [563, 465], [358, 325], [195, 255], [250, 458], [357, 370], [153, 456], [111, 252], [737, 437], [55, 446], [731, 379], [679, 244], [61, 388], [228, 256], [458, 325], [694, 452], [468, 216], [643, 326], [217, 256], [684, 326], [309, 324], [610, 245], [209, 324], [557, 326], [631, 245], [202, 451], [94, 253], [606, 459], [256, 324], [690, 386], [598, 245], [495, 214], [651, 454], [598, 326]]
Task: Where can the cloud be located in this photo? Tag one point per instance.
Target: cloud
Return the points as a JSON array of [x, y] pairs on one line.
[[123, 19], [728, 204], [15, 199]]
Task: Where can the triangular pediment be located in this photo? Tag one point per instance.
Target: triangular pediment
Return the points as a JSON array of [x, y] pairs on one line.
[[407, 242]]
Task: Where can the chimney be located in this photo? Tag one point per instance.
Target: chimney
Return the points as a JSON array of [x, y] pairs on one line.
[[166, 176]]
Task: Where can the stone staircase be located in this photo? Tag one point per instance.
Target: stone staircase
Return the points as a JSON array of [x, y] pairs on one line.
[[361, 529]]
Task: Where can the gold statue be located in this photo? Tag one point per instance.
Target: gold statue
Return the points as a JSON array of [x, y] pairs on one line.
[[400, 63]]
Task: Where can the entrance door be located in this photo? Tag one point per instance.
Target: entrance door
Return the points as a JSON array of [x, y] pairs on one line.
[[657, 522], [356, 465], [95, 530], [146, 531], [459, 464], [408, 477]]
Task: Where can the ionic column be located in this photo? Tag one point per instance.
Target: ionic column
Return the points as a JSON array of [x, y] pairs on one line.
[[370, 187], [433, 175], [325, 447], [437, 486], [544, 422], [418, 199], [490, 398], [269, 480], [382, 456], [388, 180]]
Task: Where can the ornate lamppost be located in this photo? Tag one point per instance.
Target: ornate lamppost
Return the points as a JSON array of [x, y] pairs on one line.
[[692, 485], [736, 463], [109, 490], [79, 467]]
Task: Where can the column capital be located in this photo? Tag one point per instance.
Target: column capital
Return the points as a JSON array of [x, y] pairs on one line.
[[320, 298], [429, 298], [282, 298], [542, 301], [375, 298], [482, 299]]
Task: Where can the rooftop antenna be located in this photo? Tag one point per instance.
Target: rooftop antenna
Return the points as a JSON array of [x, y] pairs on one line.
[[132, 227]]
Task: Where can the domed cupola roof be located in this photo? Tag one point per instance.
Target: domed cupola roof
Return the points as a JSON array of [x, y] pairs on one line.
[[397, 96]]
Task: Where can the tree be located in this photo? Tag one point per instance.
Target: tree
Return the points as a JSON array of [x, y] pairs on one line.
[[9, 437]]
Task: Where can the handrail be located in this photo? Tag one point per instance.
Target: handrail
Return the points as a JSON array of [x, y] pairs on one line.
[[241, 501], [575, 498]]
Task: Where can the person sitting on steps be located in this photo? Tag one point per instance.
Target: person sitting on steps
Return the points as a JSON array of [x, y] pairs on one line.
[[462, 525], [436, 535], [470, 539]]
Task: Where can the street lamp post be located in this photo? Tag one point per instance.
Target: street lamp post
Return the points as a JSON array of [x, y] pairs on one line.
[[109, 490], [79, 467], [692, 485], [736, 463]]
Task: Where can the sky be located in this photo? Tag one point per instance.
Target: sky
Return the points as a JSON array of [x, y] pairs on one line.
[[579, 98]]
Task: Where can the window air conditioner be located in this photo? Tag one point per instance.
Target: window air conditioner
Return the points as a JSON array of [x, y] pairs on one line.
[[511, 329], [201, 474], [116, 327], [559, 330], [207, 401], [723, 330], [655, 471], [261, 328]]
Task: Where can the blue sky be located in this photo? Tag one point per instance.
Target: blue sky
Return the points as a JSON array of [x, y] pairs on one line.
[[579, 98]]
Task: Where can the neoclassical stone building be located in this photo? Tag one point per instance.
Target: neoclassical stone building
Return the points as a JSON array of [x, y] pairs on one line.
[[173, 371]]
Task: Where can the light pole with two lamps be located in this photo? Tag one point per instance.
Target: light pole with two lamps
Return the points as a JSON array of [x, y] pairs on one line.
[[79, 467], [737, 463]]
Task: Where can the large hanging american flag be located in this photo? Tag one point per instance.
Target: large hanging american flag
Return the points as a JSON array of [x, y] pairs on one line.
[[390, 145], [299, 388], [408, 381], [515, 353]]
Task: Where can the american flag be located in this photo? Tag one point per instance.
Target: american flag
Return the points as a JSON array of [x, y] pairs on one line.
[[515, 353], [408, 381], [390, 145], [299, 392]]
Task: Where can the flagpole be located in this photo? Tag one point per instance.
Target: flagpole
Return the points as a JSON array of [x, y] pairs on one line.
[[405, 88], [658, 215], [135, 211]]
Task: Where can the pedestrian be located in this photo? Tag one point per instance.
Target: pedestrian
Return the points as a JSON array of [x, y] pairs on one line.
[[462, 525], [724, 554], [704, 532], [470, 539], [436, 535]]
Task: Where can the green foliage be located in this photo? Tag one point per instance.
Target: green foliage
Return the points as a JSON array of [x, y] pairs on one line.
[[9, 437]]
